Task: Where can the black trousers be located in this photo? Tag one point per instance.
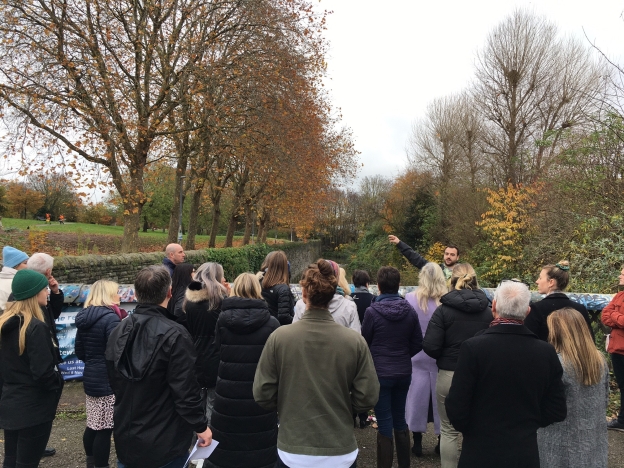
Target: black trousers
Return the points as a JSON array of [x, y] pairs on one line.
[[24, 448], [281, 464], [618, 369]]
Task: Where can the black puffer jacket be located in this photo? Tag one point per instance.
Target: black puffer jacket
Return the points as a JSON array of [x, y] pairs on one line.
[[281, 302], [247, 434], [201, 323], [95, 324], [149, 359], [463, 313], [32, 383]]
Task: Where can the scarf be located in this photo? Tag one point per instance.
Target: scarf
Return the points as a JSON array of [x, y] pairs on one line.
[[505, 321], [122, 314]]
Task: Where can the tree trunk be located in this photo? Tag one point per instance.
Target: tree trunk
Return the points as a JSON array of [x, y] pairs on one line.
[[174, 218], [248, 222], [193, 214], [132, 224], [262, 230], [216, 217], [229, 237], [145, 226], [134, 197]]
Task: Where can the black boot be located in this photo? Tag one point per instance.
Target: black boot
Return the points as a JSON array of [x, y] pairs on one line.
[[90, 461], [437, 447], [385, 451], [9, 462], [402, 442], [417, 448]]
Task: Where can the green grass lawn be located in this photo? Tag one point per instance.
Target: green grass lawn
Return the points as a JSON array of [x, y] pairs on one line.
[[85, 228]]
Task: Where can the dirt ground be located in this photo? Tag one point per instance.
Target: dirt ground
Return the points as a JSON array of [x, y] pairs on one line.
[[69, 425]]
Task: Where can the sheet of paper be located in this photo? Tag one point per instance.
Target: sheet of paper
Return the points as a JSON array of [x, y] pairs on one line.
[[199, 453]]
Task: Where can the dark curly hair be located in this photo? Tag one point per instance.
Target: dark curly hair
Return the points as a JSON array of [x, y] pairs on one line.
[[319, 282]]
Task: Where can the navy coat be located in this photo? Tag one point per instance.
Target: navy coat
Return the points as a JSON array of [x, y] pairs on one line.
[[95, 324], [392, 330]]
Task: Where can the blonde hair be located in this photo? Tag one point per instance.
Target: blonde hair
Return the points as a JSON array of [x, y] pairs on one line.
[[464, 277], [568, 333], [431, 285], [102, 293], [247, 285], [26, 310], [343, 283]]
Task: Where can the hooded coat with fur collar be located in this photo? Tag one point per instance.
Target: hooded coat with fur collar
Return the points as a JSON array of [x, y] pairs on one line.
[[201, 323]]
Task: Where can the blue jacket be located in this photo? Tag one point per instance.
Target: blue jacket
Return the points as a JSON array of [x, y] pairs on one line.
[[169, 265], [95, 324], [392, 330]]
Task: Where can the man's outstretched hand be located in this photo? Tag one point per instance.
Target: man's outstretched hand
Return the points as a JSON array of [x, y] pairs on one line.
[[394, 239], [205, 438]]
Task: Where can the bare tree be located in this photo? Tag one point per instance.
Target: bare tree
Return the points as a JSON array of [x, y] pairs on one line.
[[432, 142], [530, 86]]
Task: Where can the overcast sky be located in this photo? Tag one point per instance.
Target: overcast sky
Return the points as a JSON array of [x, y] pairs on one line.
[[388, 60]]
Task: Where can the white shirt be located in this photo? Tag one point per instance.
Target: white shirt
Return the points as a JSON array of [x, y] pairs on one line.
[[293, 460]]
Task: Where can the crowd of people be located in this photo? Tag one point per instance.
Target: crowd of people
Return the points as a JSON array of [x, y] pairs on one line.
[[282, 383]]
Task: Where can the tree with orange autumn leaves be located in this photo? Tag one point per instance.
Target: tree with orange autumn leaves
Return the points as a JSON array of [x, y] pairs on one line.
[[123, 85]]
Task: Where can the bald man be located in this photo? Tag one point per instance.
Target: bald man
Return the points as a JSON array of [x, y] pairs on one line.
[[174, 255]]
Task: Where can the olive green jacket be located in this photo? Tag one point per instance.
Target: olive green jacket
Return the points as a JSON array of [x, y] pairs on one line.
[[317, 373]]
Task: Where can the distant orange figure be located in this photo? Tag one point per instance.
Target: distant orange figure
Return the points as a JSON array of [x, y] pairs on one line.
[[47, 218], [61, 219]]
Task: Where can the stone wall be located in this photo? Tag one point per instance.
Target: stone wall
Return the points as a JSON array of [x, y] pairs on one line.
[[123, 268]]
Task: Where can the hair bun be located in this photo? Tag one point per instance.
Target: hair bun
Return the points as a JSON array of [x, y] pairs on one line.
[[563, 265], [325, 268]]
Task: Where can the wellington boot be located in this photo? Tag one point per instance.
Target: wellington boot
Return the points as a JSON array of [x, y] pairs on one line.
[[385, 451], [417, 448], [90, 461], [105, 466], [402, 442]]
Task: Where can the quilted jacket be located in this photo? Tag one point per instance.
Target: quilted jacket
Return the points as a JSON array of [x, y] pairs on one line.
[[95, 324], [247, 434]]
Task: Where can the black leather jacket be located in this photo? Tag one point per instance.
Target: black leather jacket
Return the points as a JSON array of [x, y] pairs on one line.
[[150, 361]]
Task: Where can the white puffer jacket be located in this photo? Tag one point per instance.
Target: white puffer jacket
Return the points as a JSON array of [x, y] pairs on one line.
[[6, 278], [342, 309]]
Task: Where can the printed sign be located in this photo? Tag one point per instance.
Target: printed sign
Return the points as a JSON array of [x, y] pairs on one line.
[[71, 368]]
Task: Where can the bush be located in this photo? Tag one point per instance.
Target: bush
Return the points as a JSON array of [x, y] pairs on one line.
[[237, 260]]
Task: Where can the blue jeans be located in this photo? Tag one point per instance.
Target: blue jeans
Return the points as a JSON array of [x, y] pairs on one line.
[[177, 462], [390, 408]]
